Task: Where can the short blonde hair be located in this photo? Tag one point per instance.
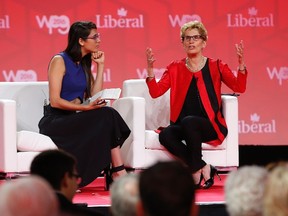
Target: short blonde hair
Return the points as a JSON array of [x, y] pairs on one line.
[[244, 190], [194, 25], [29, 196], [276, 192]]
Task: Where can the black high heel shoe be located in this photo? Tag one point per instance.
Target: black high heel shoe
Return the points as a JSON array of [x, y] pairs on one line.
[[108, 178], [108, 175], [210, 181], [198, 186]]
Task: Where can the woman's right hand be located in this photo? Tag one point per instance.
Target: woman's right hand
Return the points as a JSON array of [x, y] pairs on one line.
[[98, 57]]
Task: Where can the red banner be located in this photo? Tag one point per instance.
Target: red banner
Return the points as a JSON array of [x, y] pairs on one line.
[[33, 31]]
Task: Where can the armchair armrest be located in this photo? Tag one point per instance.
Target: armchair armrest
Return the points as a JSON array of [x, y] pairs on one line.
[[8, 136], [132, 110], [230, 112]]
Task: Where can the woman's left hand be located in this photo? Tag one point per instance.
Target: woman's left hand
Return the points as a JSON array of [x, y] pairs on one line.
[[98, 57], [96, 104], [240, 52]]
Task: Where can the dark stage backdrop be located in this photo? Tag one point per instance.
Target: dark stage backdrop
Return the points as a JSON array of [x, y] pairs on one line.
[[33, 31]]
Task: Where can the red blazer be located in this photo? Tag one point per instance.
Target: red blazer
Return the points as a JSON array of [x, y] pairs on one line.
[[177, 78]]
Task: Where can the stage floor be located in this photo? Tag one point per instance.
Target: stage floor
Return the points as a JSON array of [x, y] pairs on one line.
[[95, 195], [211, 202]]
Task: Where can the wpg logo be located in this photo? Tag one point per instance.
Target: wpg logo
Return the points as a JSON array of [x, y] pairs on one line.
[[59, 23], [280, 74], [142, 74], [181, 20], [19, 75]]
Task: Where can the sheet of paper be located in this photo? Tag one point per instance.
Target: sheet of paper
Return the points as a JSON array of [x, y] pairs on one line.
[[107, 94]]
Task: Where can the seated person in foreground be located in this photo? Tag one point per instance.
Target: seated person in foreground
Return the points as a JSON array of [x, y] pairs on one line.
[[27, 196], [59, 169], [244, 191], [125, 195], [276, 191], [167, 189]]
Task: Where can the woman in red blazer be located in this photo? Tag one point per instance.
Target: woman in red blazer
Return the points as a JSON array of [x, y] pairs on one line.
[[195, 100]]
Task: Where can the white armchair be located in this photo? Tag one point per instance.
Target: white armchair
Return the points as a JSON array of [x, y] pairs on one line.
[[144, 114], [21, 107]]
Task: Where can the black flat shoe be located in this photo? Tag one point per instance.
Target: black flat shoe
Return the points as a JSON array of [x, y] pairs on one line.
[[210, 182], [108, 175]]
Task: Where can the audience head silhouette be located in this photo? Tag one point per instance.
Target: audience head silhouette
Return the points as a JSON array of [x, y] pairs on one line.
[[59, 169], [167, 188], [27, 196], [244, 190], [276, 191], [125, 195]]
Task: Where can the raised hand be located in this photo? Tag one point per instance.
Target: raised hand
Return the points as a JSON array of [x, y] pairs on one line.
[[240, 53], [150, 57], [150, 62]]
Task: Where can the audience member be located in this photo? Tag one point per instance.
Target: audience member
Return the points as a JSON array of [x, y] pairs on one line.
[[59, 169], [27, 196], [270, 166], [125, 195], [244, 190], [166, 189], [276, 192]]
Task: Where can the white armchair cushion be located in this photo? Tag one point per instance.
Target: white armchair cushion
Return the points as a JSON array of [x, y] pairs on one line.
[[152, 142], [33, 141], [211, 147]]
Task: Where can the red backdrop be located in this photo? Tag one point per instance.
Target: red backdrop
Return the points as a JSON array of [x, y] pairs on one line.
[[33, 31]]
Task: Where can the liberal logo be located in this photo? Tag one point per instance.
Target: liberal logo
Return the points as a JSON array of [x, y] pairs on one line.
[[5, 22], [122, 21], [255, 126], [106, 74], [252, 20]]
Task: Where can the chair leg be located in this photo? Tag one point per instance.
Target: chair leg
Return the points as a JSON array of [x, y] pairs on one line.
[[3, 175]]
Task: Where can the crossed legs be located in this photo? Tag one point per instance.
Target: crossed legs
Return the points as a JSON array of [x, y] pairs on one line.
[[194, 130]]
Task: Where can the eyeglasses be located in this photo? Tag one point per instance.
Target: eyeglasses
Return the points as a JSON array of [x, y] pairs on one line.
[[187, 38], [77, 176], [94, 37]]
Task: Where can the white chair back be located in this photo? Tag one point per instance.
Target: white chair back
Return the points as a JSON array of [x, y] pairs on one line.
[[29, 97], [157, 111]]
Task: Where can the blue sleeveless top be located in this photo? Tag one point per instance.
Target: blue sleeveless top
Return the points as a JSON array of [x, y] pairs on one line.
[[74, 81]]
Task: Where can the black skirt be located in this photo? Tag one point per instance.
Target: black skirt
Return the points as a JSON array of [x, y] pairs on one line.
[[88, 135]]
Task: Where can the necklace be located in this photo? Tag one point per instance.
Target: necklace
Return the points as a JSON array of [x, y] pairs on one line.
[[200, 66]]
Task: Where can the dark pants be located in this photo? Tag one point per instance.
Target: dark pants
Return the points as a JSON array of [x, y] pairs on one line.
[[194, 130]]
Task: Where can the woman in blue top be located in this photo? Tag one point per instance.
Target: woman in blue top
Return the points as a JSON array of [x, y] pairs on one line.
[[94, 135]]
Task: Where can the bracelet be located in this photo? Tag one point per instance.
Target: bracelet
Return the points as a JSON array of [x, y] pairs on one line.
[[242, 69], [150, 76]]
